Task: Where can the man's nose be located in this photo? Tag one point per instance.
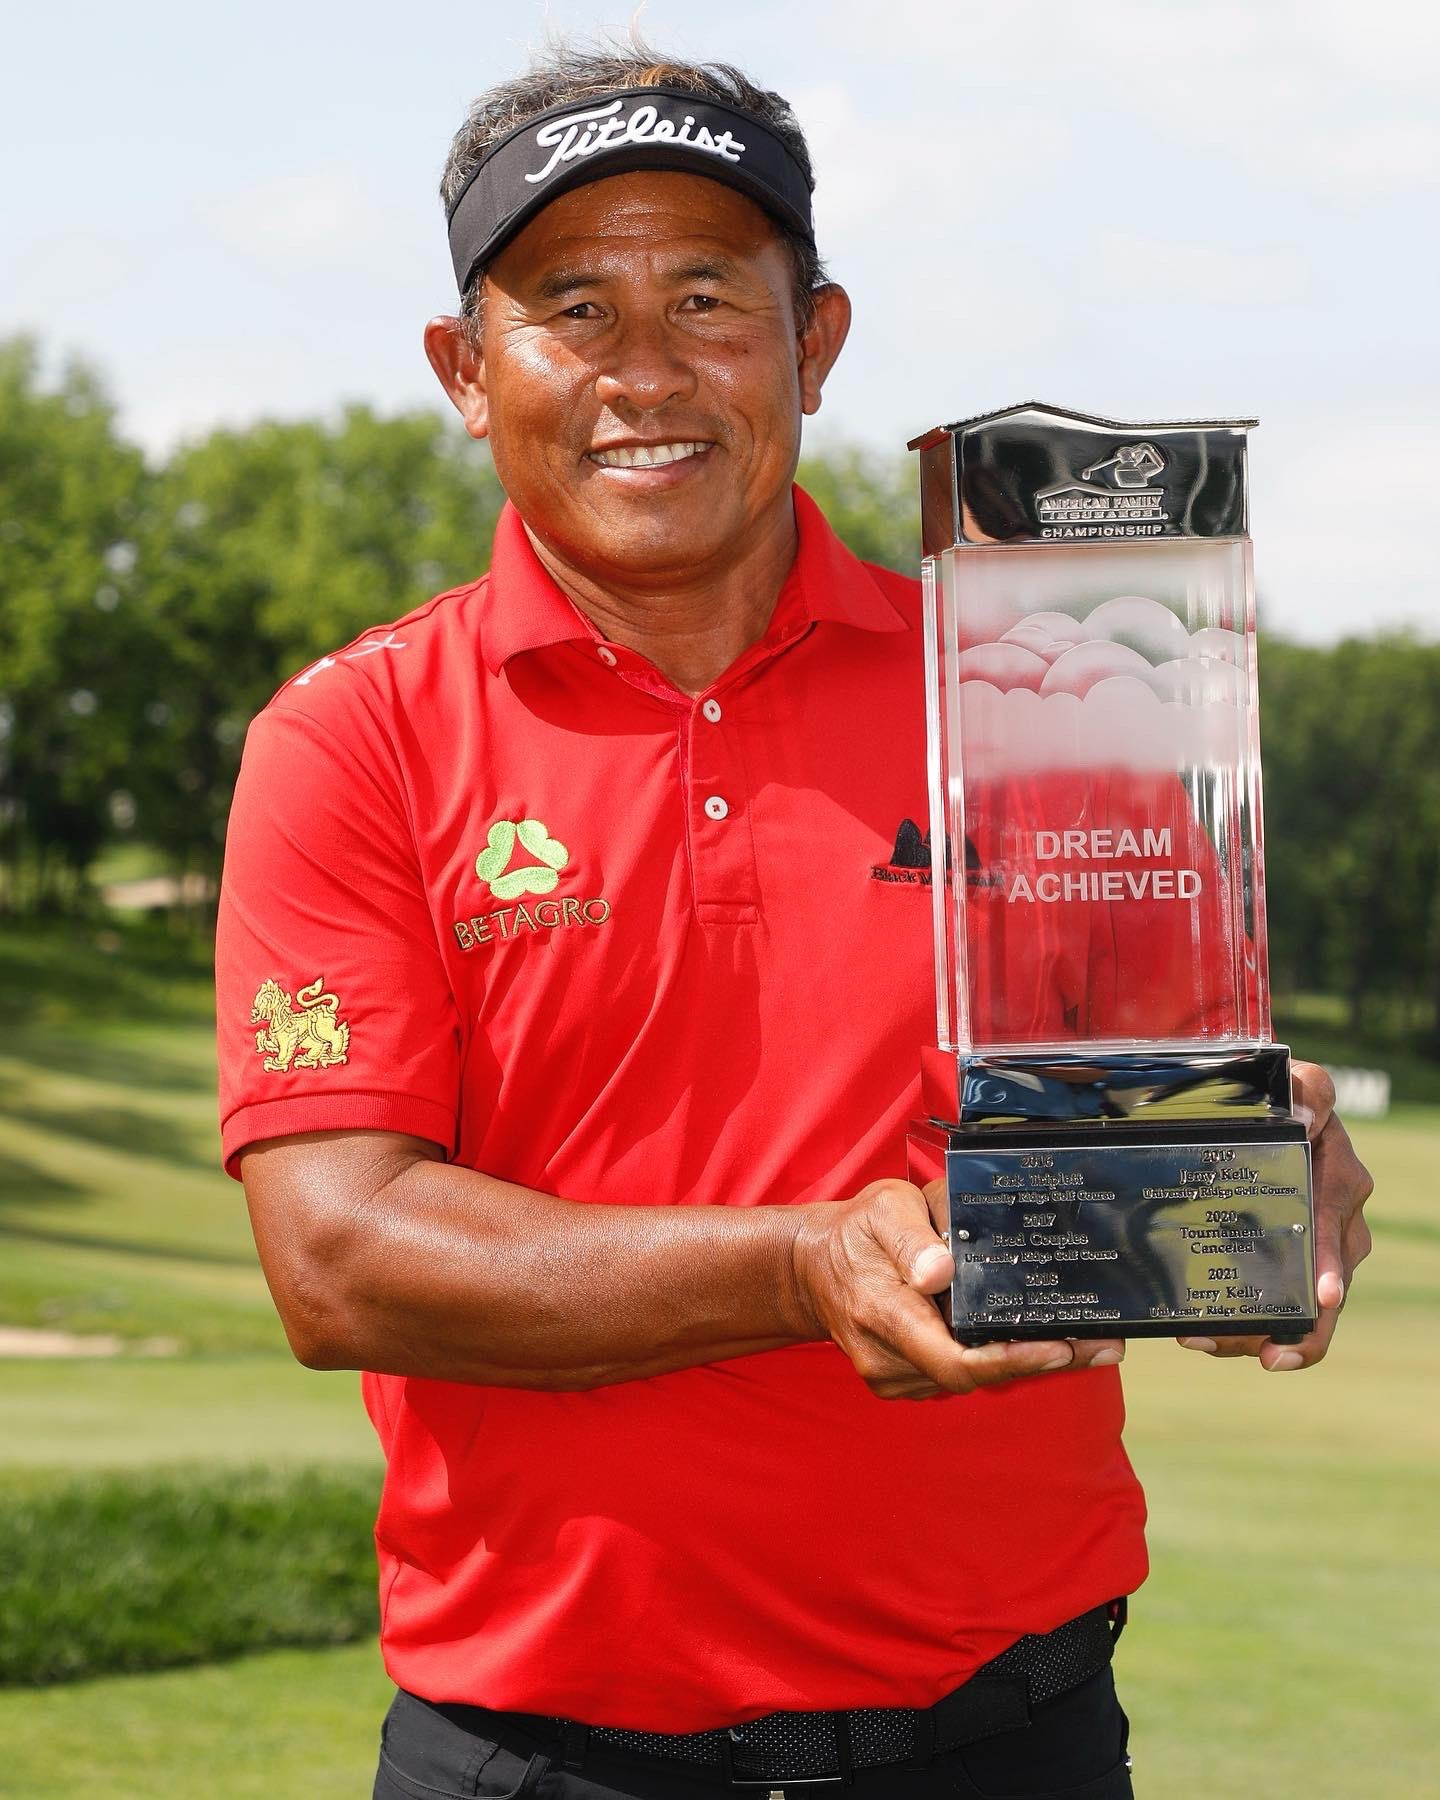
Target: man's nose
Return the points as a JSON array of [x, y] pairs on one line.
[[646, 366]]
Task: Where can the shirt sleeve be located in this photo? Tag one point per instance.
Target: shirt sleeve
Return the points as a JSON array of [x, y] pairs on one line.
[[335, 1010]]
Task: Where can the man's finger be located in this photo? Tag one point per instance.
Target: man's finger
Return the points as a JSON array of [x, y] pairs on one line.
[[911, 1331], [1276, 1358], [1223, 1347], [937, 1198], [988, 1364], [1358, 1243], [1342, 1186], [913, 1245], [1279, 1358], [1330, 1217], [904, 1339], [1313, 1096]]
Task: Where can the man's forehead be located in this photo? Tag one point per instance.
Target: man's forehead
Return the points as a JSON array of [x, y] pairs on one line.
[[668, 215]]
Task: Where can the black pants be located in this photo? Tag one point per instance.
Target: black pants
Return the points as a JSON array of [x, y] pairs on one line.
[[1072, 1749]]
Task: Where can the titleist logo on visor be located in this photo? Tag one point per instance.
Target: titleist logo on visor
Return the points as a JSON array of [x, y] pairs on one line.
[[606, 128], [609, 134]]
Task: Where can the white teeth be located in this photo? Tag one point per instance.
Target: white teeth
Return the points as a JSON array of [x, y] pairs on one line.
[[645, 456]]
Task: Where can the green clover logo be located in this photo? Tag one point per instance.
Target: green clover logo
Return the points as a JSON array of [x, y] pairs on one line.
[[505, 883]]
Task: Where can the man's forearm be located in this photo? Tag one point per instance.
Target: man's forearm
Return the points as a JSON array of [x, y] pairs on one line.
[[425, 1268]]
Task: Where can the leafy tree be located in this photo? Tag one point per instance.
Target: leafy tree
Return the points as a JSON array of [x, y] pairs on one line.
[[872, 501], [262, 550], [1352, 790], [70, 495]]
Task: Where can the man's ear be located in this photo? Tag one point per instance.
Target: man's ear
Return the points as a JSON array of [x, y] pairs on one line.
[[460, 369], [821, 342]]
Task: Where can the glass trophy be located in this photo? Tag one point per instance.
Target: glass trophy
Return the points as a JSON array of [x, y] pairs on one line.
[[1112, 1116]]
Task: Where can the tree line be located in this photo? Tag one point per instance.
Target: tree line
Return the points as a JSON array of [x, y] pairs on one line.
[[148, 611]]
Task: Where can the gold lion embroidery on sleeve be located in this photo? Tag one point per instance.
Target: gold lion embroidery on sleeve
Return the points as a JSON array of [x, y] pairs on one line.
[[315, 1032]]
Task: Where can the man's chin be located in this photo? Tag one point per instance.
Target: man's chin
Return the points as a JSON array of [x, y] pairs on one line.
[[651, 533], [657, 546]]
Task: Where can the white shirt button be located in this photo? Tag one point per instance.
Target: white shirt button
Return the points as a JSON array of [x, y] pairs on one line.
[[715, 808], [607, 656], [711, 710]]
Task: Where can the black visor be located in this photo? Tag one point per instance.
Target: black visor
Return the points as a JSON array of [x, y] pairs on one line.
[[632, 128]]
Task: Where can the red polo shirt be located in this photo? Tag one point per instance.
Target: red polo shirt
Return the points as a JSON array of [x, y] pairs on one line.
[[625, 946]]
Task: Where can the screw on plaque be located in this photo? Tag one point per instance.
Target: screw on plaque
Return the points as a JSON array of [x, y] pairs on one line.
[[963, 1236]]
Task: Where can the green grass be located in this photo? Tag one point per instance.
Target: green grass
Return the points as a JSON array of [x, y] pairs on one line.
[[293, 1723], [106, 1573], [1287, 1639], [58, 1416], [114, 1215]]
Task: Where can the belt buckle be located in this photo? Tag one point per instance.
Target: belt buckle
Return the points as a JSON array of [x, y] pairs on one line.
[[778, 1784]]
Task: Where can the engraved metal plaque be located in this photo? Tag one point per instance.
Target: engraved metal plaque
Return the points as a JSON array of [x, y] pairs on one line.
[[1082, 1240]]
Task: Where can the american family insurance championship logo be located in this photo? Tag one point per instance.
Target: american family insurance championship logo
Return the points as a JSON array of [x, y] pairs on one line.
[[1113, 497], [521, 858]]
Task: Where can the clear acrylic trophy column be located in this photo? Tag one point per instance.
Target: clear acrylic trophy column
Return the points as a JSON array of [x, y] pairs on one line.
[[1113, 1116]]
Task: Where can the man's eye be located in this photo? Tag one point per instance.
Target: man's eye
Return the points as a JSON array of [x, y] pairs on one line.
[[701, 302], [582, 309]]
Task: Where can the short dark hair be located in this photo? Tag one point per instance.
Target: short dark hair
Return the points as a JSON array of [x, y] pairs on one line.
[[567, 71]]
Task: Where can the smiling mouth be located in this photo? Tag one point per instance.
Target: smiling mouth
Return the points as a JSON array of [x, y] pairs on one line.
[[646, 456]]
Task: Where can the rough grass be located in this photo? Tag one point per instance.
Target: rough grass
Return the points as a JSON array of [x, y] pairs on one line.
[[109, 1573], [114, 1215]]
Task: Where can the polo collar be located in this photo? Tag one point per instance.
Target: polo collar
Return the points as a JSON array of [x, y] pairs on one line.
[[526, 610]]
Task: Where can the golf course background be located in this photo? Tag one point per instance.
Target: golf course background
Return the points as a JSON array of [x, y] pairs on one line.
[[186, 1590]]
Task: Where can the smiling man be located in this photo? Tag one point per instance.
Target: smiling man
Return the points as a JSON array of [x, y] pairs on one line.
[[588, 1045]]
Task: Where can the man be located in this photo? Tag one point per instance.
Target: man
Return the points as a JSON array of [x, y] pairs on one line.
[[586, 1045]]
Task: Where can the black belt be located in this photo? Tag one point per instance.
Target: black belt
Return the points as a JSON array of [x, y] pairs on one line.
[[794, 1749]]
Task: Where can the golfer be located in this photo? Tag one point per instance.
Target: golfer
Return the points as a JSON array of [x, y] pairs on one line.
[[569, 1038]]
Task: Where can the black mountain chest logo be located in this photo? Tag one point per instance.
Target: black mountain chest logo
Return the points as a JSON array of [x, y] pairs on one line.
[[909, 864]]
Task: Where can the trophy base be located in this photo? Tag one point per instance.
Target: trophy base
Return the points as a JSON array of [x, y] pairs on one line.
[[1154, 1231]]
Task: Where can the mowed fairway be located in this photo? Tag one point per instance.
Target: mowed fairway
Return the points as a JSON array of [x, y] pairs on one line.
[[1284, 1645]]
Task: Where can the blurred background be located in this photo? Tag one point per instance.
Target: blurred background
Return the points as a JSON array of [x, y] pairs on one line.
[[222, 454]]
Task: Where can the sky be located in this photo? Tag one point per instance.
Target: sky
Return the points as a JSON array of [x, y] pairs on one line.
[[1145, 209]]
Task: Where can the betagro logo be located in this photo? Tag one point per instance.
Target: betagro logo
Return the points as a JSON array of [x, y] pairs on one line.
[[497, 867], [492, 865]]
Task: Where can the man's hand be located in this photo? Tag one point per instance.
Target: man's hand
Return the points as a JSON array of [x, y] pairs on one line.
[[865, 1275], [1342, 1238]]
